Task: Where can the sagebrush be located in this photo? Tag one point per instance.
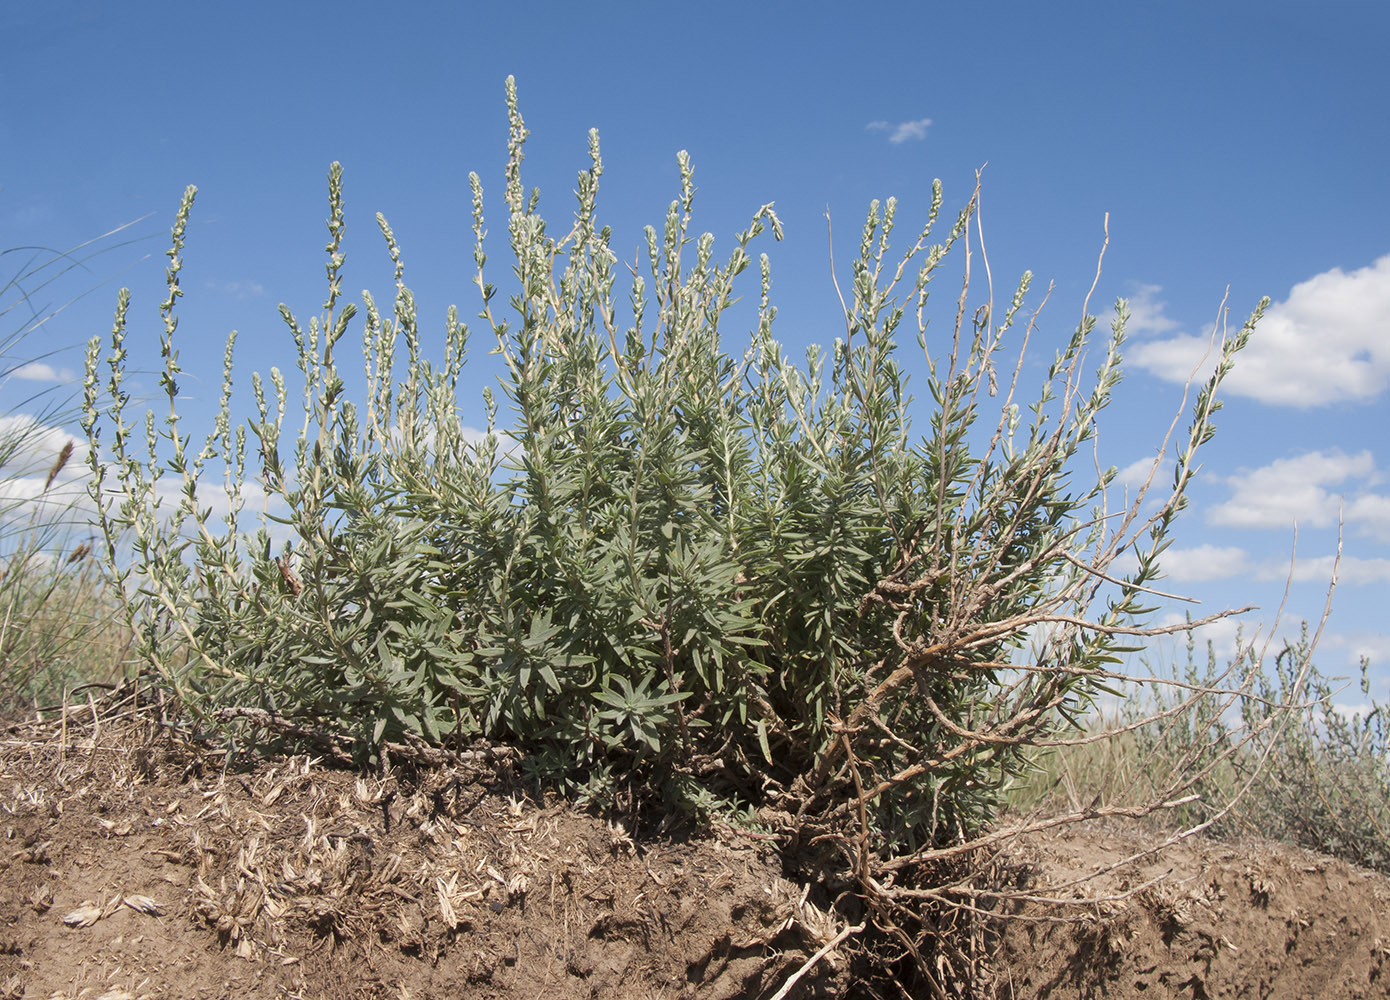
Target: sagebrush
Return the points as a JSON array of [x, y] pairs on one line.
[[668, 571]]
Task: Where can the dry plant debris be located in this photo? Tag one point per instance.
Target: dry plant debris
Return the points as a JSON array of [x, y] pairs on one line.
[[303, 880]]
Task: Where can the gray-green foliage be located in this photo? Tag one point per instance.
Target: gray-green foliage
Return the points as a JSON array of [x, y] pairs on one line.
[[674, 569]]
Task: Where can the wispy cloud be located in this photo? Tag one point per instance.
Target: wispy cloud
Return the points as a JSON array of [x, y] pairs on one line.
[[236, 289], [1134, 475], [1327, 342], [31, 444], [29, 498], [1224, 634], [1203, 563], [29, 449], [899, 132], [1192, 565]]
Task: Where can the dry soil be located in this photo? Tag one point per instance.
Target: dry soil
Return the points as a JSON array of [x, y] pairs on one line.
[[132, 869]]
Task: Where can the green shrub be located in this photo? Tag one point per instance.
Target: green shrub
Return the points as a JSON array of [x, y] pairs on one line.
[[674, 572]]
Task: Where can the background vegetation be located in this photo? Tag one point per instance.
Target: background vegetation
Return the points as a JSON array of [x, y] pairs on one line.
[[58, 618], [1317, 776]]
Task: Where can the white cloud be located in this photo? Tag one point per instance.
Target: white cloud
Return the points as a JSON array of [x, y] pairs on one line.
[[901, 131], [1217, 562], [1179, 359], [1136, 473], [54, 512], [1204, 562], [1194, 565], [1132, 477], [471, 436], [29, 453], [1223, 634], [1296, 490], [26, 445], [1373, 646], [1227, 635], [1328, 342], [1371, 513], [1147, 313], [37, 371], [1352, 571]]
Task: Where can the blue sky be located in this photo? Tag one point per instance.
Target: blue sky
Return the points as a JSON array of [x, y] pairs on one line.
[[1238, 145]]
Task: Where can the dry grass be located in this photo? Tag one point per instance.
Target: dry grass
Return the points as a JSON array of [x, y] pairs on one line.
[[57, 628], [1321, 780], [58, 617]]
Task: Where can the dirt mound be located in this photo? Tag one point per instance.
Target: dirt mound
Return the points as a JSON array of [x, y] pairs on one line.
[[131, 871], [1203, 918], [139, 877]]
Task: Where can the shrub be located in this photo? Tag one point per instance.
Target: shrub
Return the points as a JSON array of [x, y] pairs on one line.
[[682, 574]]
